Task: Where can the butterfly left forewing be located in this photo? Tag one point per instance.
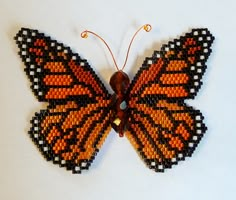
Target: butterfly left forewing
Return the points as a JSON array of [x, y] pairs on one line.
[[76, 122], [162, 128], [55, 72]]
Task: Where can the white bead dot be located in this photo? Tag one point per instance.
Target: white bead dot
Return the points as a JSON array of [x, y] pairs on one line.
[[190, 144], [77, 168], [24, 32], [202, 57], [199, 131], [180, 155], [160, 166], [200, 38], [195, 137], [19, 39], [198, 117]]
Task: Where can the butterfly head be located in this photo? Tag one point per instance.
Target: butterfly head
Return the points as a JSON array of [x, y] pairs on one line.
[[119, 82]]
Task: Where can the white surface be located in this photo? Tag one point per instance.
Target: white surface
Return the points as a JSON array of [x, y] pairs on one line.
[[117, 172]]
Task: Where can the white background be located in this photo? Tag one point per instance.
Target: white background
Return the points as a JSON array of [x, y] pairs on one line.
[[117, 172]]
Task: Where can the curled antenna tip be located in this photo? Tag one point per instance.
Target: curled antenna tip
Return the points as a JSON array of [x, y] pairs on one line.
[[84, 34], [147, 27]]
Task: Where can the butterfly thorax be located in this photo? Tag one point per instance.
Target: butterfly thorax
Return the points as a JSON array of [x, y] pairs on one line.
[[119, 83]]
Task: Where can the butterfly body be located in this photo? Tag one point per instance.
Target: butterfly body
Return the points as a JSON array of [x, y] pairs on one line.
[[119, 82], [149, 110]]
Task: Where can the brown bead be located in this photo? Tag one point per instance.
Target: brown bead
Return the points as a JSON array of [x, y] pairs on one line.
[[119, 82]]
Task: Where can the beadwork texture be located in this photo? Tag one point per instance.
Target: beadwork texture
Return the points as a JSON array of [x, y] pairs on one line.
[[72, 129], [163, 129], [160, 126]]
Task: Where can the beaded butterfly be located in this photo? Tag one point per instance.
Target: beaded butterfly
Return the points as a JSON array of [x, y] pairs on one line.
[[150, 111]]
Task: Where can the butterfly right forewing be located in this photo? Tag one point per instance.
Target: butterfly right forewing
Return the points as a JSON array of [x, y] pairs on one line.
[[162, 127]]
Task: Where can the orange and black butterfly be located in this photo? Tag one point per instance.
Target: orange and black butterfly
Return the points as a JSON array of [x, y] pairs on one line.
[[150, 110]]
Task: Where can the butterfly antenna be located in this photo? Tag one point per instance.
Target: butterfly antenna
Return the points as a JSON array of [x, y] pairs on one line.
[[146, 27], [84, 34]]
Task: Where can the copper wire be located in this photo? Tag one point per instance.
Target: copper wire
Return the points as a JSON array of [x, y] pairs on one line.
[[146, 27]]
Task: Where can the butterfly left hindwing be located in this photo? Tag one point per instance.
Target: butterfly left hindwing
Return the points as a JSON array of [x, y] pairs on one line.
[[72, 129]]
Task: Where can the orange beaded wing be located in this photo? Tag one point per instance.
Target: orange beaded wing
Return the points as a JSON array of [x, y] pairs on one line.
[[162, 128], [75, 94]]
